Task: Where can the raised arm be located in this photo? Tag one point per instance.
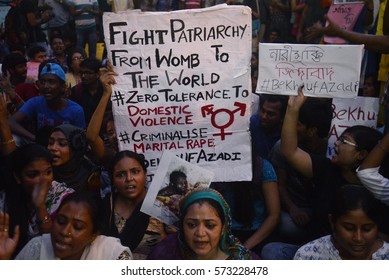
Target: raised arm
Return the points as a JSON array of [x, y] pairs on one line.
[[300, 31], [368, 171], [377, 155], [93, 130], [296, 157], [377, 43]]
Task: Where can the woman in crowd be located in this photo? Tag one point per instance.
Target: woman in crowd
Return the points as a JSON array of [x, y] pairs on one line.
[[204, 231], [122, 217], [354, 220], [352, 146], [74, 235], [34, 197], [67, 144], [74, 58]]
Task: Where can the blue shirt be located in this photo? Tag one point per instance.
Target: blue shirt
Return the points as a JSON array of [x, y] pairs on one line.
[[36, 109]]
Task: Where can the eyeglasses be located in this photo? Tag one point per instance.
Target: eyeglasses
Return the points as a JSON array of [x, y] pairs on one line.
[[342, 140], [78, 58]]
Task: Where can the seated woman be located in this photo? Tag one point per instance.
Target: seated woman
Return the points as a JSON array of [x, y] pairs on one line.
[[204, 232], [122, 216], [351, 148], [75, 235], [33, 197], [67, 144], [74, 57], [354, 220]]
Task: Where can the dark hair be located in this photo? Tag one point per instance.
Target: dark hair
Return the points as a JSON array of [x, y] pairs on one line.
[[34, 50], [274, 98], [365, 137], [354, 197], [317, 113], [92, 64], [18, 200], [140, 158], [42, 135], [71, 52], [19, 48], [108, 117], [376, 83], [173, 178], [11, 60], [27, 154], [213, 203], [76, 138], [275, 29], [93, 203], [69, 40], [55, 36]]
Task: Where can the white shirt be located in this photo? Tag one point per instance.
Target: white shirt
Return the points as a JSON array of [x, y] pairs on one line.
[[377, 184]]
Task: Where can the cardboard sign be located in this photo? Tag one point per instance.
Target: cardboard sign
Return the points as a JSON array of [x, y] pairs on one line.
[[325, 70], [184, 86], [349, 112], [174, 178], [345, 16]]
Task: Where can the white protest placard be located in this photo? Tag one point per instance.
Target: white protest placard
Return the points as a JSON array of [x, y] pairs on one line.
[[325, 70], [174, 178], [349, 112], [184, 86]]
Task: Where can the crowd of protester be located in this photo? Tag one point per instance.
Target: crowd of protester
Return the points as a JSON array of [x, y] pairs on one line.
[[67, 192]]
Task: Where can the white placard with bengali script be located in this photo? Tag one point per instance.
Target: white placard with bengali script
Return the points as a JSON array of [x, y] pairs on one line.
[[325, 70]]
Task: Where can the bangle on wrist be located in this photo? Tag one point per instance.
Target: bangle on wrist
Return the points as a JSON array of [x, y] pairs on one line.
[[45, 220]]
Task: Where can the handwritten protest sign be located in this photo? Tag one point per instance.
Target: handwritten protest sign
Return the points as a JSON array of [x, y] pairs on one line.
[[184, 86], [174, 178], [345, 16], [349, 112], [325, 70], [33, 70]]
